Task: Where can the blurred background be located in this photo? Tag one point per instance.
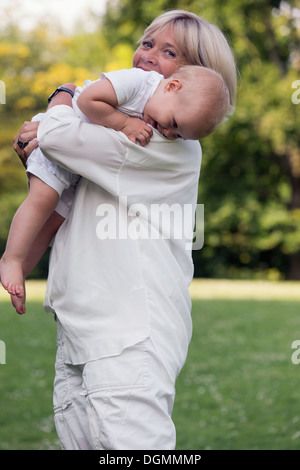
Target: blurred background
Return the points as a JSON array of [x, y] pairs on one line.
[[250, 177]]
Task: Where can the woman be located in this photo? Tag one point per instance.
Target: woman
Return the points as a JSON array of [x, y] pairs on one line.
[[122, 303]]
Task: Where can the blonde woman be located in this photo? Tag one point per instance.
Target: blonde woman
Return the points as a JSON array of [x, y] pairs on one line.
[[121, 299]]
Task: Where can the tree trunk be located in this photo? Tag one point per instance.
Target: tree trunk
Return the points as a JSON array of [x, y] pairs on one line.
[[294, 267], [294, 259]]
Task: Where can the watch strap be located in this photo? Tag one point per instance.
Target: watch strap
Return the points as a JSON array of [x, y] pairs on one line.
[[60, 88]]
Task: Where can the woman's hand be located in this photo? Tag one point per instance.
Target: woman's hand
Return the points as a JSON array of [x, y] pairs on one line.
[[25, 141]]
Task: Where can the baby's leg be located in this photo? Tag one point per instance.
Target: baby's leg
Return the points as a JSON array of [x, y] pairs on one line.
[[26, 224]]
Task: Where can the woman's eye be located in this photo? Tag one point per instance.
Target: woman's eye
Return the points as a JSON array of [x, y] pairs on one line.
[[175, 124], [146, 44], [171, 53]]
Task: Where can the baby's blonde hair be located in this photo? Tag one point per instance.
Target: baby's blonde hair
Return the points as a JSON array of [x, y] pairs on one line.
[[205, 94], [200, 43]]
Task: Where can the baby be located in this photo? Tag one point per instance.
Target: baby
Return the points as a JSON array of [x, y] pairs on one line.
[[189, 105]]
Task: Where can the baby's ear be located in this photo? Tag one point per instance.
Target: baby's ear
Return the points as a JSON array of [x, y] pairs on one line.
[[173, 85]]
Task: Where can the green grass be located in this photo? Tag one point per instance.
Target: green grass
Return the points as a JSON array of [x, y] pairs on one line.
[[26, 380], [238, 389]]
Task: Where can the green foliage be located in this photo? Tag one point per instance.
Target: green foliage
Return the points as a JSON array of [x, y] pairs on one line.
[[130, 18], [250, 165]]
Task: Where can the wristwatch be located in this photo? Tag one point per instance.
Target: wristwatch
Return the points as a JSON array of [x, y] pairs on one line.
[[60, 88]]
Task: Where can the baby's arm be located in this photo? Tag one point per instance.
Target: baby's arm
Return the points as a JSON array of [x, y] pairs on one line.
[[98, 102]]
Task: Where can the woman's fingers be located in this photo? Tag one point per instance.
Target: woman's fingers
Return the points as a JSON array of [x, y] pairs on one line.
[[27, 133], [24, 153]]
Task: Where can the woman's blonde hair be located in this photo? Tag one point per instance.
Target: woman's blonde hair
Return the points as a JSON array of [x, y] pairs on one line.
[[200, 43]]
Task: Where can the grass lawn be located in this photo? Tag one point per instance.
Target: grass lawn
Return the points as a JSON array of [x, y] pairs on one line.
[[26, 380], [237, 390]]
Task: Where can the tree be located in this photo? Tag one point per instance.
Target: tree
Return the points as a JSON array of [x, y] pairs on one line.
[[259, 162]]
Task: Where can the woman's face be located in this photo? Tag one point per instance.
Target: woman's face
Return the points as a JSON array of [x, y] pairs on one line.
[[159, 53]]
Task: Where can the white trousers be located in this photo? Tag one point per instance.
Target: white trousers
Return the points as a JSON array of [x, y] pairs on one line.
[[114, 403]]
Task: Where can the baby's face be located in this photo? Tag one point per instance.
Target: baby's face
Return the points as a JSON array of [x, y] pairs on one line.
[[168, 114]]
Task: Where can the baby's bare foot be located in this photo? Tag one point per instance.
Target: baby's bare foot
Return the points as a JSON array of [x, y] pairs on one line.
[[19, 304], [11, 275]]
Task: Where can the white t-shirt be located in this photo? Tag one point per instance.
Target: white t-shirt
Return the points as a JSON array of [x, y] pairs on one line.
[[119, 274], [133, 87]]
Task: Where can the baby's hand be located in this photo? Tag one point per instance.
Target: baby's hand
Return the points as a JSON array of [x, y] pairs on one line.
[[137, 131]]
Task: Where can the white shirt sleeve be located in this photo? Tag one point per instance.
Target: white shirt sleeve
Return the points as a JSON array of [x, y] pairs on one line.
[[90, 150]]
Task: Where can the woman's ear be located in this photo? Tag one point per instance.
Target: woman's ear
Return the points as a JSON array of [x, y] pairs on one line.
[[173, 85]]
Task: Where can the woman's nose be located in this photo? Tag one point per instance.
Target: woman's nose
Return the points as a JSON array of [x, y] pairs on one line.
[[150, 57]]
